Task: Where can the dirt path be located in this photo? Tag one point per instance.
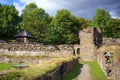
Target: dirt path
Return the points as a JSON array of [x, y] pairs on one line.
[[84, 73]]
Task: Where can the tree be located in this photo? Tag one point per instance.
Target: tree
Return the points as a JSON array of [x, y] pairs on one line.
[[9, 20], [114, 24], [101, 19], [35, 20], [84, 23], [63, 29]]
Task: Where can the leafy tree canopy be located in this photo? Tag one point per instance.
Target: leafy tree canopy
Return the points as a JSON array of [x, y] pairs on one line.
[[9, 20], [84, 23], [114, 24], [35, 20], [101, 19], [63, 28]]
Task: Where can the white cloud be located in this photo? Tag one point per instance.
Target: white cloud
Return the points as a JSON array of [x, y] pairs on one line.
[[79, 8], [49, 6], [18, 7], [114, 15]]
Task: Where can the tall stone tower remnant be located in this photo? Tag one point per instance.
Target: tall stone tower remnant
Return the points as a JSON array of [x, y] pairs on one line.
[[90, 40]]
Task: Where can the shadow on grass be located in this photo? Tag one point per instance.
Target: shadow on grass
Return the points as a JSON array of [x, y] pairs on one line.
[[72, 75]]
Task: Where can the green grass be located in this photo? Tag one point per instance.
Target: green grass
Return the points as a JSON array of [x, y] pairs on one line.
[[4, 66], [96, 72], [37, 70], [73, 73]]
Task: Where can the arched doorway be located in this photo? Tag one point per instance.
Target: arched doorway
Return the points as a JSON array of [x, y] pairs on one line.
[[78, 51]]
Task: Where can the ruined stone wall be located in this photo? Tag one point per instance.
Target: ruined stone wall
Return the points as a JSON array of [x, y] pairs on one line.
[[35, 49], [23, 59], [107, 58], [58, 73], [116, 71], [90, 40], [110, 67], [110, 41], [105, 61]]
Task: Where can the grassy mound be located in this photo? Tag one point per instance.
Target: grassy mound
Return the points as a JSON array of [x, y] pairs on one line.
[[37, 70]]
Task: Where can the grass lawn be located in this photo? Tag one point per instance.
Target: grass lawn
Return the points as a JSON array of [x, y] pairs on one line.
[[4, 66], [96, 72], [73, 73]]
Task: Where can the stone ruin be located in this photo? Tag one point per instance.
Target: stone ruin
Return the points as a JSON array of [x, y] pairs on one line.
[[106, 59], [110, 41], [35, 49], [90, 40], [32, 49]]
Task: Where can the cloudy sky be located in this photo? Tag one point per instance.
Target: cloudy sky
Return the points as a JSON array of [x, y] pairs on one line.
[[80, 8]]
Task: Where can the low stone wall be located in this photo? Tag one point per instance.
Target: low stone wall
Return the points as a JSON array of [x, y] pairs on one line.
[[116, 71], [105, 59], [110, 41], [110, 67], [22, 59], [35, 49], [58, 73]]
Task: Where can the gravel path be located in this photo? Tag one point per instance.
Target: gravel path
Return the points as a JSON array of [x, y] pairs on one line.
[[84, 73]]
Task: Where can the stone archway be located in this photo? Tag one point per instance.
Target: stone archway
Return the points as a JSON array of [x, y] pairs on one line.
[[78, 51]]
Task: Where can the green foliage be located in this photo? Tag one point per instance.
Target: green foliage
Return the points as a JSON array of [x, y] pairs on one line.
[[101, 19], [63, 29], [35, 20], [114, 25], [96, 71], [9, 20], [73, 73], [84, 23], [4, 66]]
